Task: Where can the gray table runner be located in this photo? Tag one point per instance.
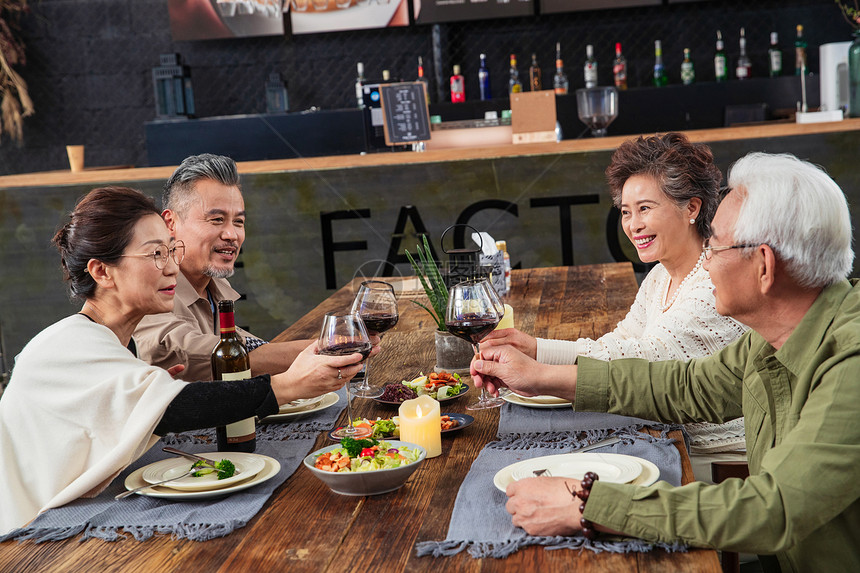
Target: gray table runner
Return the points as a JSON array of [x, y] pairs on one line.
[[142, 516], [479, 522]]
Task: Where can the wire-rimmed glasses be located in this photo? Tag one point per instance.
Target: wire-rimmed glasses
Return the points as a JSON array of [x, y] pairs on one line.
[[343, 334], [376, 304], [162, 252]]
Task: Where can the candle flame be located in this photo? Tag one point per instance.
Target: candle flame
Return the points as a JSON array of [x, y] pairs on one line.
[[418, 410]]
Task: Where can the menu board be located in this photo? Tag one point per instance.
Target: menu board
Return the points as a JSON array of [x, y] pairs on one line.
[[556, 6], [436, 11], [404, 113]]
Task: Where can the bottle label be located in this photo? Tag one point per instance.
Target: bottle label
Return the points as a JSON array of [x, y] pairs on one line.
[[226, 322], [799, 58], [775, 61], [742, 72], [720, 66], [243, 430], [687, 73]]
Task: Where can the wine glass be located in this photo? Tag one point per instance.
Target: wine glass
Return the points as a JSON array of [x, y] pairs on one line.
[[343, 334], [471, 315], [376, 304]]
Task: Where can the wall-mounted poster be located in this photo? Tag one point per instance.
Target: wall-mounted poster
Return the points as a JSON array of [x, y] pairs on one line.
[[435, 11], [211, 19], [555, 6], [314, 16]]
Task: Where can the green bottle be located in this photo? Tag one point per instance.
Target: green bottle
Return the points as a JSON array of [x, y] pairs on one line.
[[660, 78], [720, 68], [800, 53], [688, 72]]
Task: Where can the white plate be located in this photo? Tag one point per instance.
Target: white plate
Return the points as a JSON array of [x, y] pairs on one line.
[[135, 479], [248, 465], [299, 405], [505, 476], [327, 401], [536, 401]]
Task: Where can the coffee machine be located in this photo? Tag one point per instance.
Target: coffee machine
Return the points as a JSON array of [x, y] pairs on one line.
[[833, 60]]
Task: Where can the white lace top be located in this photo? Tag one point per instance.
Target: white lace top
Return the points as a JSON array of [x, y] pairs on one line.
[[690, 328]]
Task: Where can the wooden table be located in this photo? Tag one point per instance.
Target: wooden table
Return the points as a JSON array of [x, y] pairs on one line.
[[306, 527]]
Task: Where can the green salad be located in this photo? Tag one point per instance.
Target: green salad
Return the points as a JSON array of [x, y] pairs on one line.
[[438, 386], [364, 456]]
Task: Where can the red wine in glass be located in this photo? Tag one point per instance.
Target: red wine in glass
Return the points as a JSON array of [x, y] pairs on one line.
[[377, 323], [346, 348], [472, 328]]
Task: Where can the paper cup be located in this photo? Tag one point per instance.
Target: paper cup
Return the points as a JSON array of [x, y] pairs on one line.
[[76, 157]]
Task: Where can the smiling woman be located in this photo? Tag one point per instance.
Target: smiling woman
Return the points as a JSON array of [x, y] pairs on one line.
[[80, 406]]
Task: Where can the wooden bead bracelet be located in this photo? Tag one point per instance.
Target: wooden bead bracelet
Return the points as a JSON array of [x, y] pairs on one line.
[[587, 481]]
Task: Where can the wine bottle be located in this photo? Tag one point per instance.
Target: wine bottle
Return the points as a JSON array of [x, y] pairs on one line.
[[619, 68], [720, 68], [744, 69], [484, 79], [458, 86], [774, 56], [559, 81], [590, 68], [359, 86], [535, 83], [514, 85], [800, 53], [230, 361], [660, 78], [688, 72]]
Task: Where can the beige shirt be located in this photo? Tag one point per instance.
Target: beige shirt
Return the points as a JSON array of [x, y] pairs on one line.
[[188, 334]]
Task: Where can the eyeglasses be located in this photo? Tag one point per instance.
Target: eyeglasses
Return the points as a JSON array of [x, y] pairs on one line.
[[709, 250], [159, 256]]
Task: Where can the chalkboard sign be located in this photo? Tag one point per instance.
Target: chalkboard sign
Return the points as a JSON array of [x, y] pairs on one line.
[[404, 113]]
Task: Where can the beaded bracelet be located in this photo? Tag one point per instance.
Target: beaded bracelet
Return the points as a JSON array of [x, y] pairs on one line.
[[587, 481]]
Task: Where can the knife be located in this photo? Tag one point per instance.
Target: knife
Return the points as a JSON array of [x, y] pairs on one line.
[[595, 445]]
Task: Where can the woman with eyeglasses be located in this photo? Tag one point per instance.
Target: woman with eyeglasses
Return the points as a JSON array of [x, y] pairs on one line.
[[80, 406], [668, 190]]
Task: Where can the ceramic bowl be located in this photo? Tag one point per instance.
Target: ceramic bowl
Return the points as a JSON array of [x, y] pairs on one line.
[[366, 483]]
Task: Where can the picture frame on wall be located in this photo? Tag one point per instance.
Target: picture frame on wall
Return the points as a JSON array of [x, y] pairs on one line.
[[559, 6], [217, 19]]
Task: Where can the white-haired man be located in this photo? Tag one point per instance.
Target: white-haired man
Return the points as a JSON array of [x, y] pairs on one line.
[[778, 258]]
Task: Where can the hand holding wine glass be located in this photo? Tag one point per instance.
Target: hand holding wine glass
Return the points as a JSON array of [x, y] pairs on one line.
[[343, 334], [376, 304], [471, 314]]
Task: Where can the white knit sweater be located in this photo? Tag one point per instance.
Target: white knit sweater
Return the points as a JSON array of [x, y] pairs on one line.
[[690, 328]]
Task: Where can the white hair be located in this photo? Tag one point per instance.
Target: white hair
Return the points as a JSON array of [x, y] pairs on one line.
[[797, 209]]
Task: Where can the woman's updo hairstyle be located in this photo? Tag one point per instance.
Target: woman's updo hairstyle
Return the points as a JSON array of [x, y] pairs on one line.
[[682, 169], [100, 227]]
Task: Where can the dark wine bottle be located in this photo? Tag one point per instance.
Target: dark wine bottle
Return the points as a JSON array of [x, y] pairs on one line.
[[230, 361]]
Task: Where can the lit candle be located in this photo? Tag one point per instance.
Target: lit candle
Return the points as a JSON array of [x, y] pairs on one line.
[[421, 424], [507, 320]]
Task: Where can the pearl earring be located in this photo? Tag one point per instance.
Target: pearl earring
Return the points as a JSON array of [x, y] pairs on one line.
[[692, 221]]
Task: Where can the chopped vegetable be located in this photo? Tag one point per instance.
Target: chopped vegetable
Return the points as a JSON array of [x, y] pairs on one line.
[[380, 456], [353, 447], [225, 468]]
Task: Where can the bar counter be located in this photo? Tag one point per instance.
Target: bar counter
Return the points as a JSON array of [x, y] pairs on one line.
[[315, 223]]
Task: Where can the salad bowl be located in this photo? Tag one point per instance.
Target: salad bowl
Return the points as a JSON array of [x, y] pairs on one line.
[[372, 482]]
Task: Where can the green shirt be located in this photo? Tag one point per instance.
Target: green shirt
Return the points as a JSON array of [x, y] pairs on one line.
[[801, 406]]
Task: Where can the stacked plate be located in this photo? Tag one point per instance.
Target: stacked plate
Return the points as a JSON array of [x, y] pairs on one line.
[[300, 408], [612, 468], [536, 401], [252, 469]]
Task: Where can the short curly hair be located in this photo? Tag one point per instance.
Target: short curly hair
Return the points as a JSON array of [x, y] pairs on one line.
[[682, 169]]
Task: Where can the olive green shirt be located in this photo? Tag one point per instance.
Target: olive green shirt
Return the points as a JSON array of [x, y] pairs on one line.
[[801, 406]]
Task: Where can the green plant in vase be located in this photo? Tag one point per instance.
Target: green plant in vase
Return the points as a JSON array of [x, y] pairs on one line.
[[431, 279]]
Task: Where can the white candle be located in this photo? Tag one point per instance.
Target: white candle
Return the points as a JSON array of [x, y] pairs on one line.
[[507, 320], [421, 424]]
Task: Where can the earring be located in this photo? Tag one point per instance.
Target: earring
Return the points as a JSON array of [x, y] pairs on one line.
[[692, 221]]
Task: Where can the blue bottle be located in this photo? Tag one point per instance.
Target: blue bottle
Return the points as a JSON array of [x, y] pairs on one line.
[[484, 78]]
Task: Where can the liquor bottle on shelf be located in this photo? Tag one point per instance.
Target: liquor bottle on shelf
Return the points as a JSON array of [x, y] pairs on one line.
[[386, 76], [720, 66], [774, 56], [800, 53], [559, 80], [619, 68], [514, 85], [744, 67], [458, 86], [359, 86], [230, 361], [660, 78], [423, 79], [688, 72], [535, 83], [590, 68], [484, 79]]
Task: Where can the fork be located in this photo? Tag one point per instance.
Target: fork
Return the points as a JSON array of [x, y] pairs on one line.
[[125, 494]]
